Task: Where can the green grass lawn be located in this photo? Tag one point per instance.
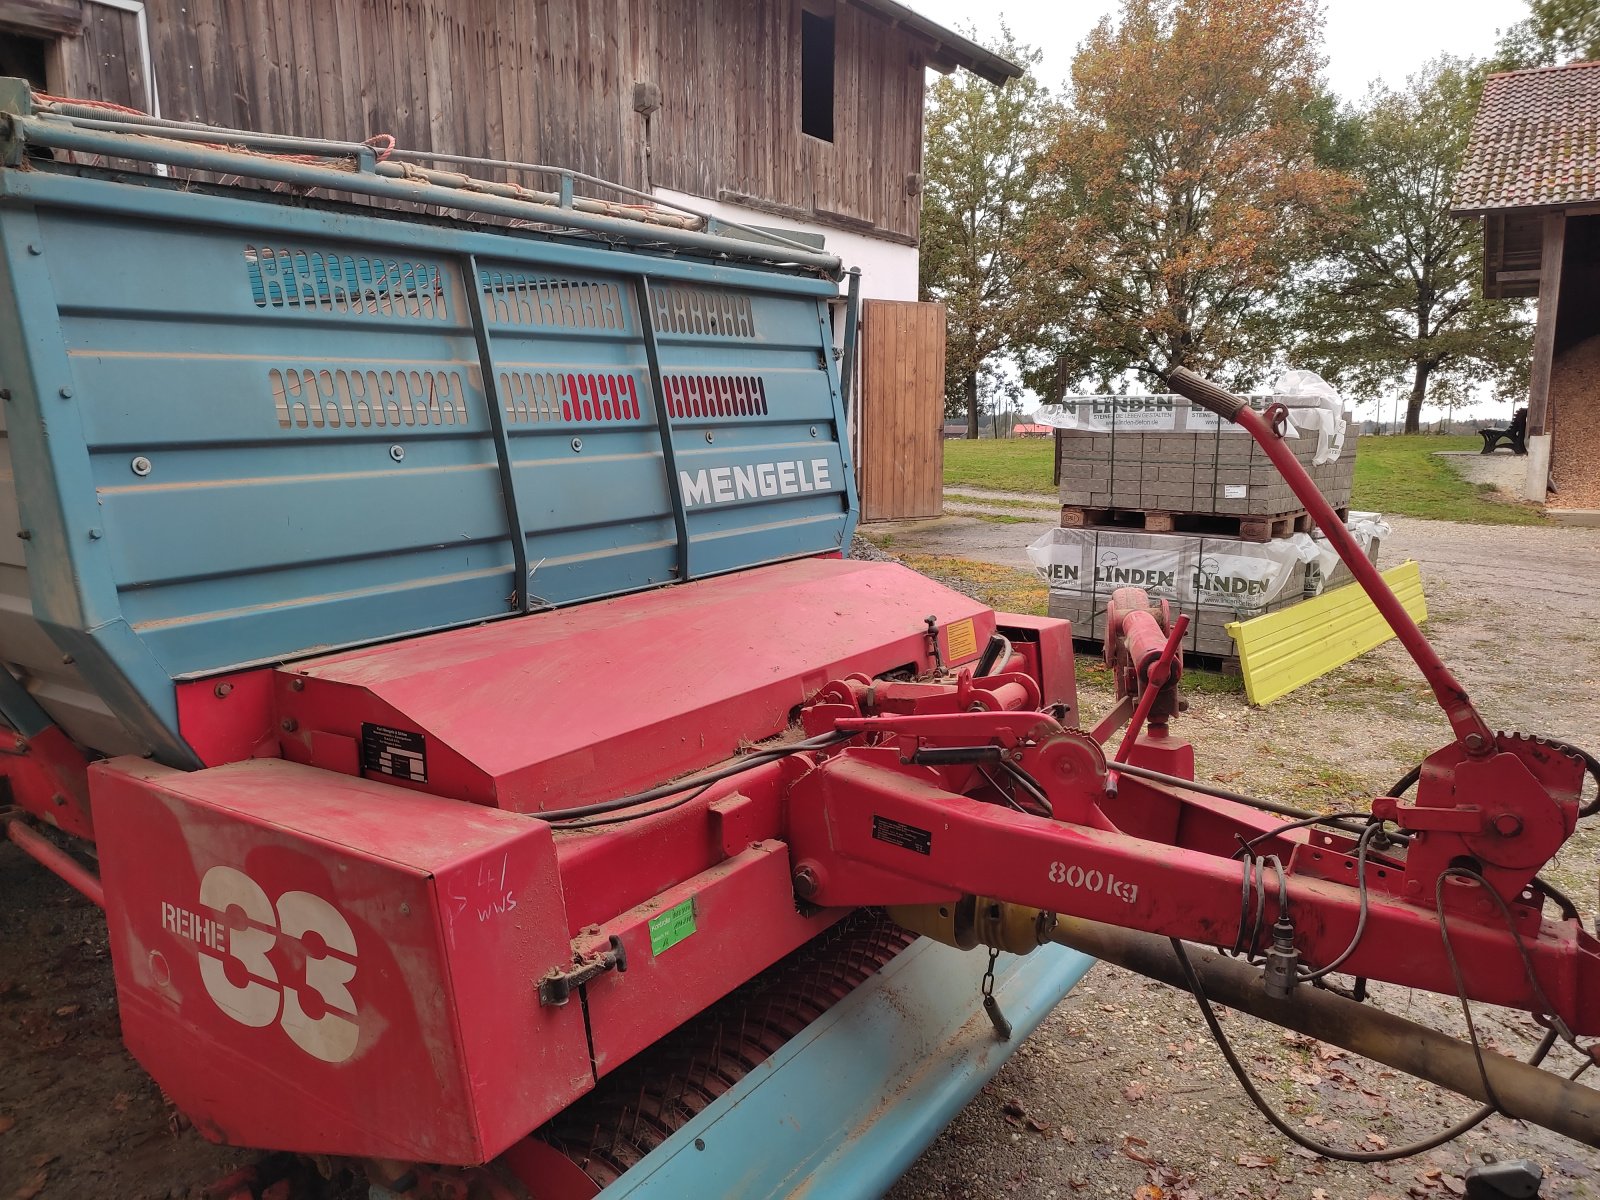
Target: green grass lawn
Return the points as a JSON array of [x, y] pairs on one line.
[[1402, 476], [1399, 476], [1020, 465]]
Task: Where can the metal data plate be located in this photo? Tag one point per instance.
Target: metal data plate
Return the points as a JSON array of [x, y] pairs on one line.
[[242, 431]]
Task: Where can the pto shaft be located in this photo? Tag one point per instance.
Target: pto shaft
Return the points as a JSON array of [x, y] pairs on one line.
[[1524, 1092]]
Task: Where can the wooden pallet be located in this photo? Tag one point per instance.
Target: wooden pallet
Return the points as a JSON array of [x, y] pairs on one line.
[[1221, 664], [1246, 528]]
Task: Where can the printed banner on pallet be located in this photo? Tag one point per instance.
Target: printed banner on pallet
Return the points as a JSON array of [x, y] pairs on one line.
[[1158, 413], [1216, 572]]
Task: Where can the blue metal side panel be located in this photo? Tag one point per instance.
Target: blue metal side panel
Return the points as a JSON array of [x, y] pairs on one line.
[[845, 1108], [277, 437]]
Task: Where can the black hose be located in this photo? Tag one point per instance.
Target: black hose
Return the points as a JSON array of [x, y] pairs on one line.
[[1472, 1119], [1207, 789], [694, 781]]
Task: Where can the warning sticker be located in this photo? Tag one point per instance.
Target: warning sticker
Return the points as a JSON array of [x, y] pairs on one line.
[[962, 639], [669, 928], [898, 833], [396, 752]]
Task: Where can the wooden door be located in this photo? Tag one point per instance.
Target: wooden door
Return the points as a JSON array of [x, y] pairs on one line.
[[901, 414]]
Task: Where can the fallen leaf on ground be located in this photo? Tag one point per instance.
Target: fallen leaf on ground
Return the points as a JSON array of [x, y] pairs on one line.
[[33, 1187], [1077, 1182], [1319, 1194], [1147, 1191], [1133, 1093], [1128, 1148], [1255, 1160], [1376, 1140], [69, 1010], [1456, 1184], [1069, 1135], [7, 1123]]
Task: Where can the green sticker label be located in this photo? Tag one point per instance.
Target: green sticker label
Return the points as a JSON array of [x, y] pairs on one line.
[[671, 927]]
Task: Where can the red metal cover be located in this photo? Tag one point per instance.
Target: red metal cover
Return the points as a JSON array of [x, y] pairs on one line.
[[589, 703], [319, 963]]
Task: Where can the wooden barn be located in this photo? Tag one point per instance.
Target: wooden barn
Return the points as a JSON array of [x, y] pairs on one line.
[[800, 114], [1532, 174]]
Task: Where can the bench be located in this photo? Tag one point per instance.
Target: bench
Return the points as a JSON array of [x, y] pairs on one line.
[[1514, 435]]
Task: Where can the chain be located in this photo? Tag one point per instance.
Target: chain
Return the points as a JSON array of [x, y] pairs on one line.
[[991, 1006]]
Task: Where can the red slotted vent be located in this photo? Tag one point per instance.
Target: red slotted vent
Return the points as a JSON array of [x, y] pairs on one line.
[[692, 396], [592, 397]]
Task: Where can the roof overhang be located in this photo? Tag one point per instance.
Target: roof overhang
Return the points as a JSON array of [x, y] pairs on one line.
[[950, 49]]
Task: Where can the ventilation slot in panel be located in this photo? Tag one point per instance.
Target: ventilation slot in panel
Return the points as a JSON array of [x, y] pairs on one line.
[[692, 396], [542, 301], [324, 399], [536, 396], [318, 281], [696, 310]]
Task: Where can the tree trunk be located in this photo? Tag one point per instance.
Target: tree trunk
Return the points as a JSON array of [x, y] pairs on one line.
[[972, 406], [1419, 391]]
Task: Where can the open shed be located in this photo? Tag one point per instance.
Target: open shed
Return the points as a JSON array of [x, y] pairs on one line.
[[1532, 175]]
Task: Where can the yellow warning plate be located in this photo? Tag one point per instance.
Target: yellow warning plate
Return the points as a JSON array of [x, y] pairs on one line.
[[1280, 651], [961, 640]]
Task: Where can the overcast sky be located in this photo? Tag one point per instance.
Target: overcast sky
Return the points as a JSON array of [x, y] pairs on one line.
[[1365, 39]]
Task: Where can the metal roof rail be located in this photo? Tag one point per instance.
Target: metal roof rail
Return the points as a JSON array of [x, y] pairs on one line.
[[386, 173]]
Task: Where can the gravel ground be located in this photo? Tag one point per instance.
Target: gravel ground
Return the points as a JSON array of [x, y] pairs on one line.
[[1123, 1078]]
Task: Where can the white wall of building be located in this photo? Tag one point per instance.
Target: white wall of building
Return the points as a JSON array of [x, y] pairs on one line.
[[888, 270]]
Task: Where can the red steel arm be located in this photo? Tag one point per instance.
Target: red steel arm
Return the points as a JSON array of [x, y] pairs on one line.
[[868, 828], [1467, 725]]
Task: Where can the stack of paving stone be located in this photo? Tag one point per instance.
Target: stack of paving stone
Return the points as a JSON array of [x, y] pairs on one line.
[[1155, 463], [1149, 484]]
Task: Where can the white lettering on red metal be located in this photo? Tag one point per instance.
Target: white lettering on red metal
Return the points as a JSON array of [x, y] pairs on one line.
[[234, 941], [1093, 880], [729, 485]]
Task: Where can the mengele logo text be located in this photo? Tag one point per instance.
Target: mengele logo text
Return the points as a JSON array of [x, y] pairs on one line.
[[726, 485]]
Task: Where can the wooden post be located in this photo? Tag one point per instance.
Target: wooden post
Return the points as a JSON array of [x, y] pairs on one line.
[[1544, 335]]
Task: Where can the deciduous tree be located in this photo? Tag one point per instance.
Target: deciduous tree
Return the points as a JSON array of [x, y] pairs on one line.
[[983, 192], [1399, 303], [1555, 31], [1194, 193]]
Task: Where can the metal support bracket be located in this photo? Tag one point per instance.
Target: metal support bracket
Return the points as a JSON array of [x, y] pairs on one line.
[[658, 397], [473, 282]]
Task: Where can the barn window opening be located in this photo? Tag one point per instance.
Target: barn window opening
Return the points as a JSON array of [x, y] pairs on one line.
[[816, 76], [23, 58]]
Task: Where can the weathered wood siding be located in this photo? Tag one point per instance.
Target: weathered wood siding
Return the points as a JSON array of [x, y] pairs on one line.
[[901, 413], [549, 82]]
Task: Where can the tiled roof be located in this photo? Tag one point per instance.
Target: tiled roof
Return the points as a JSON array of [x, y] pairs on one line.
[[1535, 142]]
